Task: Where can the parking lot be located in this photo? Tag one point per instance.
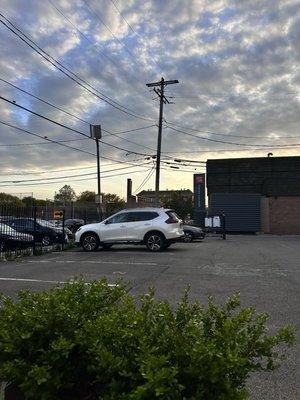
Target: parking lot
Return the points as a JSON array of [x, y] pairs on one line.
[[264, 269]]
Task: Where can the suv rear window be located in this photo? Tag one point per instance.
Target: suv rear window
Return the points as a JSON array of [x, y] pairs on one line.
[[172, 214]]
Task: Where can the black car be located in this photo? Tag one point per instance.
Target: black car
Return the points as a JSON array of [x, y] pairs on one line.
[[13, 240], [43, 232], [191, 233]]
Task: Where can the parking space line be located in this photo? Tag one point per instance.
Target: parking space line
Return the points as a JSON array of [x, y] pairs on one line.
[[87, 262], [42, 281]]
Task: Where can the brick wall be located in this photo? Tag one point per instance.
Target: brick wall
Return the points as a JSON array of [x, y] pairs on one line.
[[281, 215]]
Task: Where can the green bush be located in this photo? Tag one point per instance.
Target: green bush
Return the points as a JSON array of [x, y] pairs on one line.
[[92, 341]]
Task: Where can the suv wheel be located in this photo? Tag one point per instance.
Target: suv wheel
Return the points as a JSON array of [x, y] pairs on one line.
[[155, 241], [90, 242]]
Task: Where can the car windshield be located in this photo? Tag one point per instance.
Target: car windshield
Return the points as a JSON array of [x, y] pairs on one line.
[[6, 229], [45, 223]]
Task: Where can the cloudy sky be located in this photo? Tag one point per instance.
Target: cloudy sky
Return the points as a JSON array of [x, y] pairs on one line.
[[237, 62]]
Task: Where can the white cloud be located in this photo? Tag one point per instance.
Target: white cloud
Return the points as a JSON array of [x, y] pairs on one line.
[[237, 63]]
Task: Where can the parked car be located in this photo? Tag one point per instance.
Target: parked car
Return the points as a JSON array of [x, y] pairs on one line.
[[10, 239], [157, 228], [191, 233], [74, 223], [44, 232], [59, 225]]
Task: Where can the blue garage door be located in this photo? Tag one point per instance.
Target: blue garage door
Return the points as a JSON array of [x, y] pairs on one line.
[[242, 210]]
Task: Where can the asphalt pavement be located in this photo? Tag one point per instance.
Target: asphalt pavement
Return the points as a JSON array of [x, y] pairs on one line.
[[264, 269]]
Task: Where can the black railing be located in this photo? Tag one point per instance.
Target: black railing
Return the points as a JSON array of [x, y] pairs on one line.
[[24, 230]]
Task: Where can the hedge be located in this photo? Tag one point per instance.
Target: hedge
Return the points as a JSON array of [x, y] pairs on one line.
[[93, 341]]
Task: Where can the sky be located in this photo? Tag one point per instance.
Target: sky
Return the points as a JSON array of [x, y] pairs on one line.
[[237, 62]]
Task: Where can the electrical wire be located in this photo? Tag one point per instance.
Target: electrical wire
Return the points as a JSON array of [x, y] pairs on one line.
[[114, 36], [149, 175], [62, 144], [44, 101], [44, 117], [70, 176], [69, 128], [226, 142], [95, 44], [226, 134], [73, 115], [63, 69], [75, 180], [134, 32], [38, 143]]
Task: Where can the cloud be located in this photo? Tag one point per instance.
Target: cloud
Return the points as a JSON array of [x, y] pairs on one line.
[[237, 63]]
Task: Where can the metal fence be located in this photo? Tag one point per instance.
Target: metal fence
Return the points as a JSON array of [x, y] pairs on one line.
[[24, 230]]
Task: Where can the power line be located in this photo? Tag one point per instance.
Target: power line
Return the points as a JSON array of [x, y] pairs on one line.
[[108, 28], [69, 128], [38, 143], [135, 32], [44, 101], [225, 134], [43, 117], [73, 115], [234, 143], [95, 44], [149, 175], [226, 150], [70, 176], [75, 180], [63, 69], [62, 144]]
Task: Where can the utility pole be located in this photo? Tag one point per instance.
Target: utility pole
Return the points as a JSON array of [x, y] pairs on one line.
[[95, 131], [162, 100]]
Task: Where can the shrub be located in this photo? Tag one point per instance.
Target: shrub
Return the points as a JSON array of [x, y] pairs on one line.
[[92, 341]]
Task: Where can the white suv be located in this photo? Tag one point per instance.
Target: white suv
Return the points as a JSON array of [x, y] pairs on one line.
[[157, 228]]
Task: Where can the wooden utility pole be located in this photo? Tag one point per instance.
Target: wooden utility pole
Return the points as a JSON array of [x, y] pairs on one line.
[[162, 100]]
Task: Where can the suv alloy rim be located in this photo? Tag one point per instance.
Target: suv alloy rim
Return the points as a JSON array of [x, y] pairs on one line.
[[154, 242], [89, 242]]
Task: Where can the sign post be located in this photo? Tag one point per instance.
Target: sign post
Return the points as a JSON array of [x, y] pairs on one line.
[[199, 199]]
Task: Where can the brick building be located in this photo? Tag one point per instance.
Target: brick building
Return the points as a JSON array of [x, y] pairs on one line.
[[257, 194]]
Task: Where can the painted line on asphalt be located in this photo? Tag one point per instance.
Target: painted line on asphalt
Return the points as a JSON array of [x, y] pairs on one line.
[[43, 281], [86, 262]]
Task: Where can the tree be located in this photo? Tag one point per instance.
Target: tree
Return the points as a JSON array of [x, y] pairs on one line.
[[87, 196], [65, 194], [180, 206], [113, 203], [10, 199]]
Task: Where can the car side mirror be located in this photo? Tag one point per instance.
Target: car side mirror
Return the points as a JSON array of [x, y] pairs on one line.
[[106, 222]]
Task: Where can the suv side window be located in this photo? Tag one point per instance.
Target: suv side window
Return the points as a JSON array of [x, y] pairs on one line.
[[142, 216], [119, 218]]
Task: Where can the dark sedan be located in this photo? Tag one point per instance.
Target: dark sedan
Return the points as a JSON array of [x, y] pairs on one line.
[[43, 232], [191, 233], [12, 240]]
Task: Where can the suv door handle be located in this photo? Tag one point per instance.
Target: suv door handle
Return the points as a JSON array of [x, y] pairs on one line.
[[123, 226], [147, 224]]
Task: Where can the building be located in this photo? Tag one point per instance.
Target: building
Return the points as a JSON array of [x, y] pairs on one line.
[[147, 197], [257, 194]]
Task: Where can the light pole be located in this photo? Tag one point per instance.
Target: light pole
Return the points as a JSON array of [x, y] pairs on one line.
[[96, 134]]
